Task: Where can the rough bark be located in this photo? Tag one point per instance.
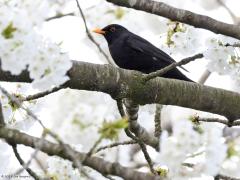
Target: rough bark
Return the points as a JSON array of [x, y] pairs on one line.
[[180, 15], [17, 137], [120, 83]]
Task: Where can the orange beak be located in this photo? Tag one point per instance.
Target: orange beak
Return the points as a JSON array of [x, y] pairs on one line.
[[99, 31]]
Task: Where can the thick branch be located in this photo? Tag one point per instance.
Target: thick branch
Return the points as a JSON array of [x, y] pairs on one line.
[[120, 83], [184, 16], [139, 131], [16, 137]]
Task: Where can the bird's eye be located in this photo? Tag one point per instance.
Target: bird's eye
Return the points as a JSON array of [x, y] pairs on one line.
[[112, 29]]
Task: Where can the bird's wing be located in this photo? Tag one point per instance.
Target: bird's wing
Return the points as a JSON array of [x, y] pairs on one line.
[[139, 44]]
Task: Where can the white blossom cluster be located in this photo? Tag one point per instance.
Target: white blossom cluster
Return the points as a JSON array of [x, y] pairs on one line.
[[61, 169], [185, 41], [81, 114], [223, 57], [221, 52], [202, 148], [23, 47], [231, 165], [15, 116]]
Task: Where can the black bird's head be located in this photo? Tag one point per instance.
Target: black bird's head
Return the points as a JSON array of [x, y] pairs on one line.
[[111, 32]]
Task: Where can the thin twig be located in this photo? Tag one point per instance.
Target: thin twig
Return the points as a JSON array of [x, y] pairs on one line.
[[17, 102], [143, 148], [65, 147], [33, 156], [198, 119], [40, 164], [115, 145], [90, 35], [237, 45], [157, 120], [41, 94], [189, 165], [60, 15], [2, 122], [171, 66], [20, 160], [84, 173], [92, 150], [76, 162], [233, 16], [120, 108], [14, 147]]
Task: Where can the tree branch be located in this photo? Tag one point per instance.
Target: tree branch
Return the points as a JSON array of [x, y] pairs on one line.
[[90, 35], [2, 122], [139, 131], [223, 177], [14, 147], [143, 148], [233, 16], [157, 121], [184, 16], [60, 15], [41, 94], [16, 137], [21, 161], [162, 71], [120, 83], [129, 142], [222, 121]]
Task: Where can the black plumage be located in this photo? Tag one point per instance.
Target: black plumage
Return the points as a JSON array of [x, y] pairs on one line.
[[130, 51]]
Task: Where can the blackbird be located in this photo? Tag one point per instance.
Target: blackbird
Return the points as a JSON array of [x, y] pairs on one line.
[[130, 51]]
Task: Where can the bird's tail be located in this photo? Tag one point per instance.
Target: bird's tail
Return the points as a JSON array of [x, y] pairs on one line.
[[185, 78], [176, 74]]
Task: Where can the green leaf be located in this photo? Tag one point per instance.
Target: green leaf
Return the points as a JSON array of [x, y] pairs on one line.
[[13, 105], [232, 151], [47, 71], [161, 172], [110, 130], [8, 31], [80, 124], [119, 13]]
